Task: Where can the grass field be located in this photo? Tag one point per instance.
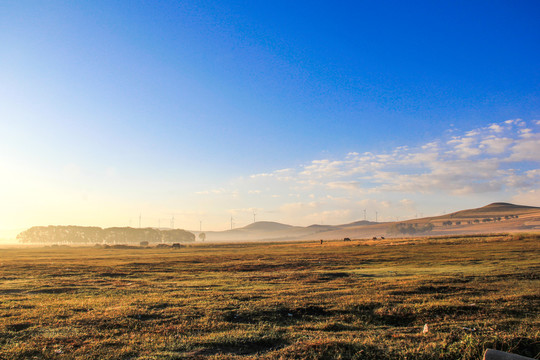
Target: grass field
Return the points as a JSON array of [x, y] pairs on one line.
[[338, 300]]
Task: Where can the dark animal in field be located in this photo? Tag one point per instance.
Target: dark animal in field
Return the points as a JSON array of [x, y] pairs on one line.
[[382, 237], [347, 239], [176, 246]]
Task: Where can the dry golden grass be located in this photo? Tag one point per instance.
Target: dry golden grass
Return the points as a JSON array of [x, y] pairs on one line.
[[338, 300]]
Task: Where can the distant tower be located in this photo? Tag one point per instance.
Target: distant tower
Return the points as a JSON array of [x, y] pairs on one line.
[[172, 222], [364, 214], [254, 214], [231, 222], [376, 216]]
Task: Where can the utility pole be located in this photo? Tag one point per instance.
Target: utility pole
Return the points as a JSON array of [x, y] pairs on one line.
[[376, 216], [231, 222], [172, 222]]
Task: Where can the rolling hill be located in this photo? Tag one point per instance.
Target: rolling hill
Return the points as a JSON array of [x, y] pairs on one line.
[[495, 217]]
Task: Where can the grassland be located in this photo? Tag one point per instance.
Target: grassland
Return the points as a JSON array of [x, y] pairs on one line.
[[338, 300]]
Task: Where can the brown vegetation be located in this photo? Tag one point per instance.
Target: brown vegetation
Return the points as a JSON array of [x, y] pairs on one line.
[[365, 299]]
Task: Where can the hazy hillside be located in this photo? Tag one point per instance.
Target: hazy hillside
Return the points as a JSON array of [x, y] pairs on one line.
[[494, 209], [495, 217], [267, 226]]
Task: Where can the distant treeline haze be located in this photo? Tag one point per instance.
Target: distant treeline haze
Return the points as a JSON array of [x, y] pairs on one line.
[[114, 235], [410, 229]]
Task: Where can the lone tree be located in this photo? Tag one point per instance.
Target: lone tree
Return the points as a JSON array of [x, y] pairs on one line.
[[202, 236]]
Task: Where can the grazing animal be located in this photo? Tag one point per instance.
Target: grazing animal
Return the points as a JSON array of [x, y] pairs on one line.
[[347, 239]]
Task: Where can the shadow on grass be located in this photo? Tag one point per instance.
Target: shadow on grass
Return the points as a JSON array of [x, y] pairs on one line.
[[238, 345], [276, 315], [325, 349]]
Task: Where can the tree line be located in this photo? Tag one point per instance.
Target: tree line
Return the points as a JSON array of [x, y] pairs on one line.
[[410, 229], [91, 234], [477, 221]]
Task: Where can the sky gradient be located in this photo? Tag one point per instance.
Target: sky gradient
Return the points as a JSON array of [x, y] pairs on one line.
[[303, 113]]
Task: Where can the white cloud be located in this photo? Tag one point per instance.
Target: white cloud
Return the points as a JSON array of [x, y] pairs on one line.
[[494, 163], [526, 133], [464, 147], [327, 216], [526, 149], [464, 164], [262, 175], [374, 203], [407, 203], [494, 145], [517, 122], [530, 197], [346, 185], [496, 127], [299, 207]]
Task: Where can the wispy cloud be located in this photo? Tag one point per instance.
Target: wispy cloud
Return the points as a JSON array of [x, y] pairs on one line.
[[486, 159], [500, 161]]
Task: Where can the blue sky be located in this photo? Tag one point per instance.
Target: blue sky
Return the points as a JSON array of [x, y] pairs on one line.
[[198, 110]]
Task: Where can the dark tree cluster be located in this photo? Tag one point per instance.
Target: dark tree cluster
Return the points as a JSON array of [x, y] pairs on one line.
[[449, 223], [497, 218], [115, 235]]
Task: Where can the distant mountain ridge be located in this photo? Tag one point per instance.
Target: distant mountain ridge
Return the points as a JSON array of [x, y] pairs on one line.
[[501, 208], [267, 226], [497, 216]]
